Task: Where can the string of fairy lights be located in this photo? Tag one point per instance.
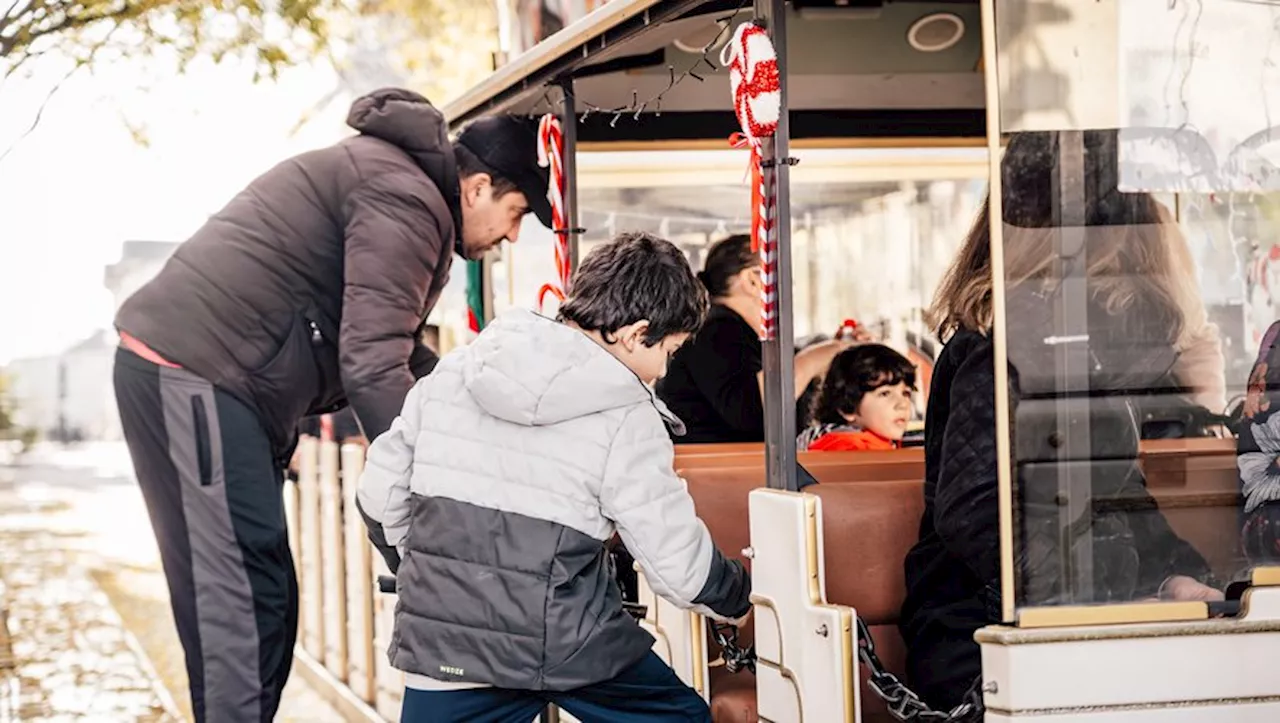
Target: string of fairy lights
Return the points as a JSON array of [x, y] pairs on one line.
[[703, 65]]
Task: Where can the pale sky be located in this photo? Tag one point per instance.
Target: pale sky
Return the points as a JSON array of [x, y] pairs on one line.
[[79, 186], [76, 188]]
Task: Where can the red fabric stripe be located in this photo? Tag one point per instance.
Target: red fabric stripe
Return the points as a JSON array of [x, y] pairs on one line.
[[136, 346]]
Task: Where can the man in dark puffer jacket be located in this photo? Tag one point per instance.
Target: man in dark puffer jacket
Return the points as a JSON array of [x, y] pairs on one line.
[[305, 292]]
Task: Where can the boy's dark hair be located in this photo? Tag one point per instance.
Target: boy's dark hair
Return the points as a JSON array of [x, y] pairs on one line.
[[726, 259], [856, 371], [469, 164], [636, 276]]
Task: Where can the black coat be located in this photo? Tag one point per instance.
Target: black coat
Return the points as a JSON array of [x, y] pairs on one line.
[[711, 383], [307, 290], [953, 572]]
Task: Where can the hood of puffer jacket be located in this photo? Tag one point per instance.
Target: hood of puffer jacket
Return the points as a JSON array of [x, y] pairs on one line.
[[531, 370], [408, 121]]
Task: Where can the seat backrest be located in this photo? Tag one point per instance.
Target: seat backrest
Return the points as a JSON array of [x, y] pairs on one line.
[[717, 455], [1196, 483], [864, 466], [693, 450], [828, 467], [869, 528], [892, 464], [712, 461], [720, 497]]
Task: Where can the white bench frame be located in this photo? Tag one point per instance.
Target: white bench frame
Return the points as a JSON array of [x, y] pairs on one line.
[[806, 664], [680, 638]]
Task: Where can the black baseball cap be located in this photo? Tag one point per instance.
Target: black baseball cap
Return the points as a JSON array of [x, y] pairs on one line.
[[508, 146]]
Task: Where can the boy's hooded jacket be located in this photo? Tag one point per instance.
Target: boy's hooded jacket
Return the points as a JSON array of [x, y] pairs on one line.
[[507, 471]]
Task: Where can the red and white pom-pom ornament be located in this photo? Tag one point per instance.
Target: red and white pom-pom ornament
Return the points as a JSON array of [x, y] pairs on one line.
[[753, 80]]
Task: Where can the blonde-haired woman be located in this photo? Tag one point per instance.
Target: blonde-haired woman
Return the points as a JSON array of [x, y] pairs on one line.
[[1144, 332]]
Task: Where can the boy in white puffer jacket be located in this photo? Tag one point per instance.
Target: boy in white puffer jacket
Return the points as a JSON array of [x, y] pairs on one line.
[[504, 476]]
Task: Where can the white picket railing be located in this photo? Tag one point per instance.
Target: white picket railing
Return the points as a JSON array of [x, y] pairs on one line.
[[344, 622]]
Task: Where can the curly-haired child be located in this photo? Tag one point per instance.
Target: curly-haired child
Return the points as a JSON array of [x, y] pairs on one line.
[[865, 402]]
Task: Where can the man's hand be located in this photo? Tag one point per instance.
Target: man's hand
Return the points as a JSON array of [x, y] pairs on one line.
[[860, 336], [1181, 587], [853, 333]]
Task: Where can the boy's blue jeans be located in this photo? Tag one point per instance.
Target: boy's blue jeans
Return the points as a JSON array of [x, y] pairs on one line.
[[647, 691]]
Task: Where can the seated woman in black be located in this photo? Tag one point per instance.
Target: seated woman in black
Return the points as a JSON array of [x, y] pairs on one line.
[[715, 382], [1142, 310]]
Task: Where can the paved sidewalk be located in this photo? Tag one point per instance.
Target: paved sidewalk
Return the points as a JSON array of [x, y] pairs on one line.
[[91, 632], [73, 658]]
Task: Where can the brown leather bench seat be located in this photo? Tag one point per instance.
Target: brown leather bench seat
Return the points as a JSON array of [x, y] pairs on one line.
[[869, 526], [872, 503]]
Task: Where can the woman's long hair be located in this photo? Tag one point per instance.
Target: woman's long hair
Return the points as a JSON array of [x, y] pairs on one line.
[[1140, 259]]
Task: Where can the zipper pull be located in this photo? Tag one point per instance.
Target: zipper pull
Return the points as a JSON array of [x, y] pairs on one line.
[[316, 336]]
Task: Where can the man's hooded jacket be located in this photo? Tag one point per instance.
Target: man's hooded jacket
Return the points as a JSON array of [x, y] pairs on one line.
[[308, 289]]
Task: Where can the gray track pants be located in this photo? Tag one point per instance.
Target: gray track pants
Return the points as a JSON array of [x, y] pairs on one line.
[[213, 491]]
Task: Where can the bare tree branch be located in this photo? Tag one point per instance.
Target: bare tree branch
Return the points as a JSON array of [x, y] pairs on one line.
[[273, 34], [35, 122], [77, 65], [31, 13]]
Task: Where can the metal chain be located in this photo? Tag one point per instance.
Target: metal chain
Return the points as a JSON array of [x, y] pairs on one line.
[[903, 704], [734, 657]]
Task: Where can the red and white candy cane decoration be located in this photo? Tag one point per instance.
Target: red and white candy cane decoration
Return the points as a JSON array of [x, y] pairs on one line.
[[551, 156], [761, 221], [757, 101]]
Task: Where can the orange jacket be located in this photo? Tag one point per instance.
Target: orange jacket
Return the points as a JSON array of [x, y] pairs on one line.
[[851, 440]]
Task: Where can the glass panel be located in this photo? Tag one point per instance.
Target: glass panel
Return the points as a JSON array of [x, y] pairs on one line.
[[872, 231], [1140, 225], [1199, 84], [874, 252], [1057, 63]]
